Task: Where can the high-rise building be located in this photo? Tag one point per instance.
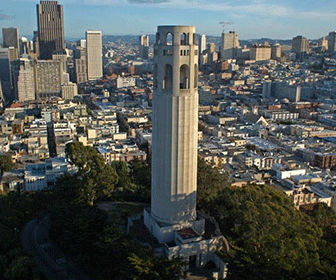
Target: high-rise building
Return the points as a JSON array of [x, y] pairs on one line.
[[332, 41], [144, 46], [211, 47], [25, 47], [10, 38], [172, 218], [323, 44], [81, 43], [13, 54], [276, 51], [69, 90], [94, 57], [1, 97], [211, 55], [260, 52], [48, 78], [80, 70], [80, 52], [300, 46], [50, 28], [63, 59], [229, 46], [5, 75], [36, 47], [23, 77], [202, 43]]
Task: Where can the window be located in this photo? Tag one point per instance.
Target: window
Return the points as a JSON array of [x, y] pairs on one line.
[[169, 39], [184, 39], [168, 78], [184, 76]]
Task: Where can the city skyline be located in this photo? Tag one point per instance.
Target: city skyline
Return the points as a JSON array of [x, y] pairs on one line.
[[251, 19]]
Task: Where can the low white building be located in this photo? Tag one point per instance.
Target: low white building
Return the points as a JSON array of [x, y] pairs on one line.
[[123, 82], [38, 176], [282, 172]]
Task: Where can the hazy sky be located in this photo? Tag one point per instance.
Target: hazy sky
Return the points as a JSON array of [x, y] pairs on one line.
[[278, 19]]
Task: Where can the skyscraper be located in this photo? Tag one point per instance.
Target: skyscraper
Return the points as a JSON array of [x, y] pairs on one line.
[[332, 42], [48, 78], [24, 82], [300, 46], [5, 75], [202, 43], [36, 44], [80, 70], [50, 28], [24, 46], [10, 38], [323, 44], [229, 46], [94, 57], [276, 51], [143, 46]]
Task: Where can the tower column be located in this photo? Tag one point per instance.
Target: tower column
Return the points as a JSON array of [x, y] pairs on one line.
[[175, 125]]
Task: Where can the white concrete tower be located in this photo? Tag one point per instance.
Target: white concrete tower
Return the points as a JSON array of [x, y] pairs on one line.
[[202, 43], [175, 125]]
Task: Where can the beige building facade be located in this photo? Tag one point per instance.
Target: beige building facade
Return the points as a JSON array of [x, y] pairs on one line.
[[94, 57]]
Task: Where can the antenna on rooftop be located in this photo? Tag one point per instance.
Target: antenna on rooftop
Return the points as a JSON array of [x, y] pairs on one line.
[[225, 23]]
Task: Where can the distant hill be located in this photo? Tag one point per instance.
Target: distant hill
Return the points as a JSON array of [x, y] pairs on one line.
[[134, 39]]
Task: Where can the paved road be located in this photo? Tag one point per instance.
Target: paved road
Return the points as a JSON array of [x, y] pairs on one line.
[[51, 260]]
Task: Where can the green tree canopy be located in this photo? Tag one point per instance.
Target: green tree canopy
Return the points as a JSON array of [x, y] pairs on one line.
[[6, 163], [269, 238], [95, 177]]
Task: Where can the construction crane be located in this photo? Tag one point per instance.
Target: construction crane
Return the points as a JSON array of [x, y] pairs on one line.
[[225, 23]]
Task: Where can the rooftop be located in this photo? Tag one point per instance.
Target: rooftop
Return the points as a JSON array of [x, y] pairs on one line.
[[187, 233]]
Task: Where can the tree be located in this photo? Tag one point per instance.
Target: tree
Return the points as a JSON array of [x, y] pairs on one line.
[[150, 267], [209, 183], [123, 172], [140, 172], [95, 177], [269, 238], [6, 163]]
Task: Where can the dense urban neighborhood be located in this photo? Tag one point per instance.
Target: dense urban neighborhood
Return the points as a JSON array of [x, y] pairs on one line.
[[174, 155]]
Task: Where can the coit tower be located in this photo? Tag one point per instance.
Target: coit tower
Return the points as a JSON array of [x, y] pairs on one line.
[[175, 125]]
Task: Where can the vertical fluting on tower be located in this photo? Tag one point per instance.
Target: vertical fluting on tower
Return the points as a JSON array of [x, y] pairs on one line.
[[175, 125]]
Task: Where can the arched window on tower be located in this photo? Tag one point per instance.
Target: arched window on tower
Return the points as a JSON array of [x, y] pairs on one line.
[[184, 77], [169, 39], [168, 77], [195, 76], [194, 39], [184, 39], [157, 38]]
